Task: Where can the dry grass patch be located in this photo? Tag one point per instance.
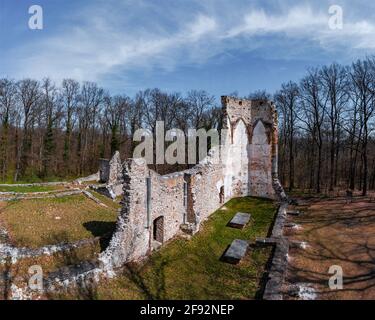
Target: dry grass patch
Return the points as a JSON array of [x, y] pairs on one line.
[[39, 222]]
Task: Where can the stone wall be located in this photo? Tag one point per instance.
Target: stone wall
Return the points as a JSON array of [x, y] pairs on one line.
[[171, 197], [181, 201], [251, 156], [110, 171], [103, 170], [111, 177], [115, 169]]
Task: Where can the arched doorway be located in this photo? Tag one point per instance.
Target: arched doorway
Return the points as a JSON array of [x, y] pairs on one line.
[[158, 229]]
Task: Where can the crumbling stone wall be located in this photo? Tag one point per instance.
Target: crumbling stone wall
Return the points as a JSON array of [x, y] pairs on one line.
[[110, 172], [247, 166], [115, 169], [103, 170], [260, 165], [206, 182], [171, 197], [251, 156]]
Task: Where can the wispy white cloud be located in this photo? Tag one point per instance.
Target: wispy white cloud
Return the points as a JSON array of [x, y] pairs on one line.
[[90, 50], [303, 22], [103, 41]]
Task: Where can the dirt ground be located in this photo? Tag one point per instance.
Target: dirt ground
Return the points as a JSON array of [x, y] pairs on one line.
[[335, 233]]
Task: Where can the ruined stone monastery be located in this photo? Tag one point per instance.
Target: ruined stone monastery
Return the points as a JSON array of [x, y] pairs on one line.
[[156, 208]]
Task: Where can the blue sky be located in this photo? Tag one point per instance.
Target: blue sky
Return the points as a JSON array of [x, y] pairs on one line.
[[177, 45]]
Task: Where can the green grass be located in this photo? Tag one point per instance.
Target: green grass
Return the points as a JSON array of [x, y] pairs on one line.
[[39, 222], [192, 269], [27, 189], [30, 178]]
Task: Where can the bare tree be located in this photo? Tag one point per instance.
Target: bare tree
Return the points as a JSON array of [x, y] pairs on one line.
[[335, 85], [363, 78], [52, 108], [29, 95], [70, 100], [115, 109], [287, 99], [8, 95], [88, 112], [314, 105], [198, 104]]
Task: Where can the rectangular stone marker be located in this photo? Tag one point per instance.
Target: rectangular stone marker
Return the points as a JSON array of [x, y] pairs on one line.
[[239, 220], [236, 251]]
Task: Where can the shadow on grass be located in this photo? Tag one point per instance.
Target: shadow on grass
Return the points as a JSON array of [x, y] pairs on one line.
[[102, 229], [265, 276], [151, 289]]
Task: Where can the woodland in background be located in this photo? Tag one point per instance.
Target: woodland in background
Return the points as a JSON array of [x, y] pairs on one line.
[[326, 124]]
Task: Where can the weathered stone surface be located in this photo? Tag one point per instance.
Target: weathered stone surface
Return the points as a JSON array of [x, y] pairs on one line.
[[265, 241], [14, 253], [236, 251], [103, 170], [251, 152], [273, 289], [110, 171], [115, 169], [240, 220]]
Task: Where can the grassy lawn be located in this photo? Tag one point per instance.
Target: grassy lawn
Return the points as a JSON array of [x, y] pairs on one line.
[[39, 222], [191, 269], [26, 189]]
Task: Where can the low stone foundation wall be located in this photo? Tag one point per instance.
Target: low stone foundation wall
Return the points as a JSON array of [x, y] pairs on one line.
[[273, 289]]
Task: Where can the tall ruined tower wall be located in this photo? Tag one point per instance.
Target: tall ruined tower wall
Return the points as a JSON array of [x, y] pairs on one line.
[[251, 147]]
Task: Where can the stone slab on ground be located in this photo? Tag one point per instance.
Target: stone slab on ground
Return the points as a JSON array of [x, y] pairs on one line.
[[236, 251], [240, 220]]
